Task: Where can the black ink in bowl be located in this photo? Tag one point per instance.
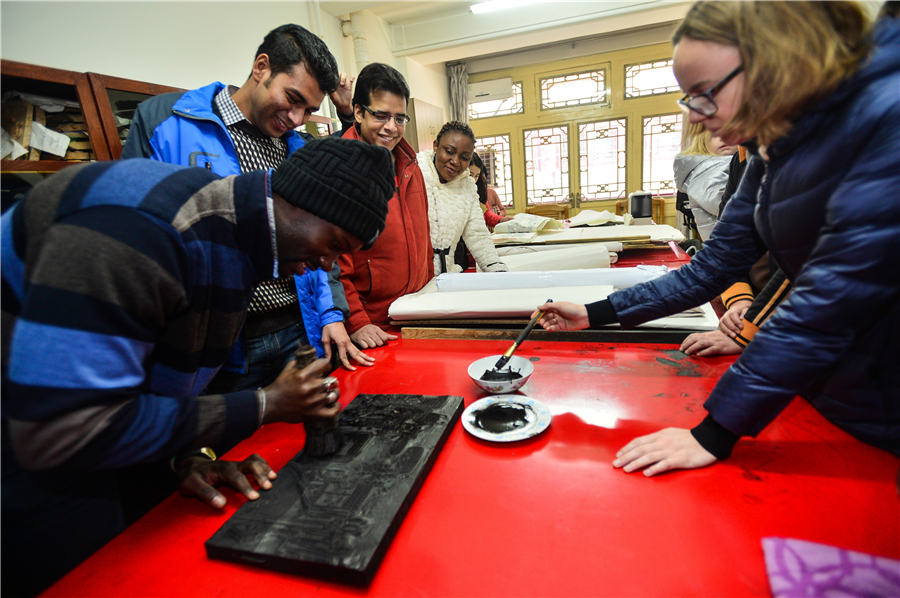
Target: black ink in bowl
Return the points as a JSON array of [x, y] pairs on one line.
[[506, 375], [502, 417]]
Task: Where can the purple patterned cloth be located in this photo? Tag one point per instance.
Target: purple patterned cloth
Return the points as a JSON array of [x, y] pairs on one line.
[[800, 568]]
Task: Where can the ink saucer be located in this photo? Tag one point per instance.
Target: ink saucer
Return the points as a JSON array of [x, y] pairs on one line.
[[506, 418]]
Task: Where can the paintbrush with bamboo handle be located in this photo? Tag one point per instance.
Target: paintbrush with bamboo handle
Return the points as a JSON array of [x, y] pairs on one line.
[[505, 358]]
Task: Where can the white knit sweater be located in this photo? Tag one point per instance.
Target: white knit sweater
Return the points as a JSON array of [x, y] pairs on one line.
[[454, 212]]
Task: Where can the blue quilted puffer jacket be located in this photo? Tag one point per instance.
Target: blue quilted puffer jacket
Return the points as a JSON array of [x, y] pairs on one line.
[[827, 206]]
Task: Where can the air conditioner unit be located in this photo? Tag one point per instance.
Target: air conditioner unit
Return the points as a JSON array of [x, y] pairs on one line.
[[494, 89]]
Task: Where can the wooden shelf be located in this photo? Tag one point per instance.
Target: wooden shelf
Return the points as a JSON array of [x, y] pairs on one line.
[[102, 86], [92, 91], [57, 83], [36, 165]]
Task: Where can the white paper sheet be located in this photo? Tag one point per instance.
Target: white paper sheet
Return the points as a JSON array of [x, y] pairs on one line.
[[496, 303], [616, 277], [512, 238], [428, 304], [572, 257], [10, 147], [528, 223], [610, 246], [595, 218], [655, 233], [45, 103], [48, 140]]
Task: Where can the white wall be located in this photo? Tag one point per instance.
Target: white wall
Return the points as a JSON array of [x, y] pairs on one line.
[[183, 44], [428, 83], [187, 44], [369, 41]]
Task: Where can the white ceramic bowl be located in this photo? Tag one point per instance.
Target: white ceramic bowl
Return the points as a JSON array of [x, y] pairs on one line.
[[518, 364]]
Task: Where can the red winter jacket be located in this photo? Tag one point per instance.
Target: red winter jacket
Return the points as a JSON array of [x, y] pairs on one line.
[[401, 260]]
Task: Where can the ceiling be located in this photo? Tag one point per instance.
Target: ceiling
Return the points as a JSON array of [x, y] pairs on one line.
[[445, 30], [391, 12]]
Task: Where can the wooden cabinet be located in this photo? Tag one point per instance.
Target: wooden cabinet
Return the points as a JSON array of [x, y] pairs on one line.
[[319, 126], [425, 123], [117, 100], [66, 95], [92, 109]]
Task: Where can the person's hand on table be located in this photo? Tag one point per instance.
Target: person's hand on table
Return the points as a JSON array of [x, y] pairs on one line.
[[370, 336], [706, 344], [563, 315], [343, 95], [671, 448], [198, 477], [336, 333], [298, 395], [732, 322]]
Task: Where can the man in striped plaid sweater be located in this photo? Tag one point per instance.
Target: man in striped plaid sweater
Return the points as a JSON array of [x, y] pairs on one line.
[[125, 285]]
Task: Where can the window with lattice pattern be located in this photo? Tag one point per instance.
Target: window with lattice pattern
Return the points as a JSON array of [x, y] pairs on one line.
[[602, 159], [575, 89], [661, 143], [650, 79], [547, 165], [494, 152]]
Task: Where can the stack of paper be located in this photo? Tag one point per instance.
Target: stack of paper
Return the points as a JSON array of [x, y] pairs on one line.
[[490, 295], [570, 257]]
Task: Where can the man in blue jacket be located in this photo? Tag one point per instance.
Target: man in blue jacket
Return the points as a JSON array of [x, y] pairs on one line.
[[230, 130]]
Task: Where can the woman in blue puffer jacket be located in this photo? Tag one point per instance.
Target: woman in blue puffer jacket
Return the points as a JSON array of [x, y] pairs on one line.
[[820, 92]]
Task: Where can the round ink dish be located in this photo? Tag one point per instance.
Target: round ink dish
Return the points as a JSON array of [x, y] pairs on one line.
[[506, 418]]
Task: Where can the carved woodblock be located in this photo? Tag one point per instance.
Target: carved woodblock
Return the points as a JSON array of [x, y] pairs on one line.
[[335, 517]]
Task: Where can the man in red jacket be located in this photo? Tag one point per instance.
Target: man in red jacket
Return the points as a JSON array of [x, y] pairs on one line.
[[400, 262]]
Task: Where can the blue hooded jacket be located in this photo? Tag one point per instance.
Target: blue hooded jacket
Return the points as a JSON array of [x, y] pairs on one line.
[[827, 206], [182, 128]]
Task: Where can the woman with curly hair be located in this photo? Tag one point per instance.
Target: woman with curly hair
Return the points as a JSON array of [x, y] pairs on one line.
[[453, 209]]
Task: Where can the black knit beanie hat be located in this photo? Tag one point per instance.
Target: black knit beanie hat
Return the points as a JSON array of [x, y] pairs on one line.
[[343, 181]]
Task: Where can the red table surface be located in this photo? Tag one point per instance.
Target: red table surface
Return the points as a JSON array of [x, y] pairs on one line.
[[670, 255], [550, 516]]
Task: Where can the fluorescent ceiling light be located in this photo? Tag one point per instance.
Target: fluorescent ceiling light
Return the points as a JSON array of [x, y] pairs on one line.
[[495, 5]]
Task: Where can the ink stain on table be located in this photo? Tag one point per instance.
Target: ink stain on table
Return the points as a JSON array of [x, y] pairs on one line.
[[590, 367], [683, 368], [534, 359], [752, 499], [747, 474], [502, 417]]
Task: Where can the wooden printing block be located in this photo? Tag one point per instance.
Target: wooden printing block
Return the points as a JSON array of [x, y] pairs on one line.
[[334, 518]]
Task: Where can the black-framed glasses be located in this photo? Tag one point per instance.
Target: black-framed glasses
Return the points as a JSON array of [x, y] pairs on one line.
[[401, 120], [703, 103]]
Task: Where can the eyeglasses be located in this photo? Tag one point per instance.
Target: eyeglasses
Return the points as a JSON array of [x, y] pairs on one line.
[[703, 103], [401, 120]]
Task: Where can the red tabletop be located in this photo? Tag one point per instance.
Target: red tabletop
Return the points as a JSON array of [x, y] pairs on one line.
[[670, 255], [550, 516]]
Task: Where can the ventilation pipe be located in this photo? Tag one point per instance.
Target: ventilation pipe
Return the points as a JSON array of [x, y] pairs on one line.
[[353, 27]]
